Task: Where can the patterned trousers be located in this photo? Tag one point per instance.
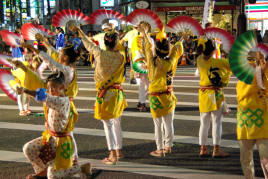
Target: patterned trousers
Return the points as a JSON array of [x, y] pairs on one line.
[[32, 150]]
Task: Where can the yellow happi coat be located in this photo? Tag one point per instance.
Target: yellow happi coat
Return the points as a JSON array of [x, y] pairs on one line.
[[160, 74], [64, 150], [211, 71], [32, 81], [19, 76], [109, 70], [252, 111], [138, 48]]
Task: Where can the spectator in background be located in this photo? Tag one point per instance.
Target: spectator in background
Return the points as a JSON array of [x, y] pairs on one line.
[[234, 33], [60, 39], [76, 42], [259, 37], [17, 51], [265, 37]]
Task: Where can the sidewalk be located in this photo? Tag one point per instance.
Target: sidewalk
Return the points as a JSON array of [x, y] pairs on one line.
[[134, 168]]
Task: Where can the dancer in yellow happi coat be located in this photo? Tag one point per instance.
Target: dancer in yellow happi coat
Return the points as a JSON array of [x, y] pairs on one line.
[[19, 75], [161, 69], [214, 75], [110, 99], [51, 154], [64, 62], [138, 54], [252, 115]]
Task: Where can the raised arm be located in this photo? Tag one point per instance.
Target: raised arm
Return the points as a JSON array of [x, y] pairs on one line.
[[50, 49], [52, 64], [176, 51], [148, 48], [89, 45]]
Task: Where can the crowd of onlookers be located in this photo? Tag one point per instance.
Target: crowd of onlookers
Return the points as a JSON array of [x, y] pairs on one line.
[[85, 59]]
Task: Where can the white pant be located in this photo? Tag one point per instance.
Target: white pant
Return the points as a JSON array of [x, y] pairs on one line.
[[163, 128], [143, 87], [246, 156], [113, 133], [23, 102], [216, 118]]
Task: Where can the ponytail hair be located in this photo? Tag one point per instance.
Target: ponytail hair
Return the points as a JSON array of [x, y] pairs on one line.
[[70, 52], [57, 77], [207, 48]]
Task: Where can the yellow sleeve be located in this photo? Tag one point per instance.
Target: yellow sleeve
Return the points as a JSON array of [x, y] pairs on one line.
[[148, 51], [33, 81], [137, 49], [53, 53], [176, 51]]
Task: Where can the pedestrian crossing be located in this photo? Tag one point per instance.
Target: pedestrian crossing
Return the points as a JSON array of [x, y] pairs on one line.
[[131, 92], [185, 88]]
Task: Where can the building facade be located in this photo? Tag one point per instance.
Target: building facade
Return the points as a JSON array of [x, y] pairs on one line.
[[17, 12]]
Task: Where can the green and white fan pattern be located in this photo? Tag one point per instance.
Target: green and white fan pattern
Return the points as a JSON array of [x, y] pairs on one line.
[[238, 56], [138, 67]]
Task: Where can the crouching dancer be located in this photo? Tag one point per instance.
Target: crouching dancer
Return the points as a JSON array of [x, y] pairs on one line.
[[51, 155]]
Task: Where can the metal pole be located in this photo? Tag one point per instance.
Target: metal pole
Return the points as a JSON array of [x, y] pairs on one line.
[[48, 7], [20, 13]]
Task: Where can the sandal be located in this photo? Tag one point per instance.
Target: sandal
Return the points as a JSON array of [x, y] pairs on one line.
[[167, 150], [23, 113], [28, 111], [204, 152], [119, 154], [157, 153], [217, 153], [109, 161]]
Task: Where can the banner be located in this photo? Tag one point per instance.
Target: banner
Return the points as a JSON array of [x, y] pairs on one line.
[[208, 12]]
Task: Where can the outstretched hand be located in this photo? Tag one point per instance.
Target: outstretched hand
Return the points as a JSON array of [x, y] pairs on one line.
[[41, 37], [29, 46]]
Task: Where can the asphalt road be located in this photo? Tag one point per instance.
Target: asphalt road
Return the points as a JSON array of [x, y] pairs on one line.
[[136, 148]]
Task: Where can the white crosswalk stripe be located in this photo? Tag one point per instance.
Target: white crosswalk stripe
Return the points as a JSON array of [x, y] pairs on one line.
[[185, 82]]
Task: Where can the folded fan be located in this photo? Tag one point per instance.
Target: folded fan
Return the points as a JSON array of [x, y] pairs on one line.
[[139, 67], [61, 18], [226, 38], [4, 61], [5, 78], [139, 15], [98, 16], [29, 31], [184, 24], [10, 38], [238, 56]]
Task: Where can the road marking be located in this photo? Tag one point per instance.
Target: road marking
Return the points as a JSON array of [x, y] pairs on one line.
[[130, 167], [125, 113], [126, 134]]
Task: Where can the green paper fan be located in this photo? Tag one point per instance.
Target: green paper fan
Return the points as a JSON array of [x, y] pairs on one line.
[[138, 67], [238, 56]]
